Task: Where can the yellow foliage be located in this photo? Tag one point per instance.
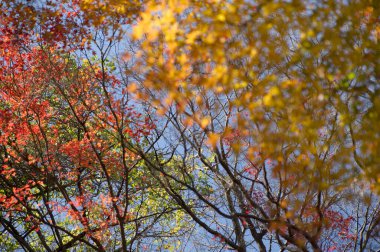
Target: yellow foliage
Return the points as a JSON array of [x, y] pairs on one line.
[[291, 74], [204, 122], [267, 57], [213, 139]]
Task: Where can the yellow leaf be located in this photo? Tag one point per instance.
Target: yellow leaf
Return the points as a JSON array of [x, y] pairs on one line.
[[132, 88], [221, 17], [274, 91], [161, 111], [204, 122], [283, 204], [188, 122], [213, 139], [289, 214], [191, 37]]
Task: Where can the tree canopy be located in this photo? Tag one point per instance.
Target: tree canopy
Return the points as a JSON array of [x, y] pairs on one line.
[[184, 125]]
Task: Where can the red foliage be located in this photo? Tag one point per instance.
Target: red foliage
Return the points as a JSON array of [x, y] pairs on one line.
[[59, 132]]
